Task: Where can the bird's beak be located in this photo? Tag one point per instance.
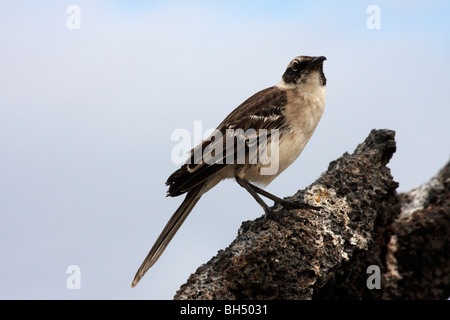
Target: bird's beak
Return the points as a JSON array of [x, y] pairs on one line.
[[317, 60]]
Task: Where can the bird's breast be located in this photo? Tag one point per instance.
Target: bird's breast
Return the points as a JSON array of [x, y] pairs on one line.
[[303, 113]]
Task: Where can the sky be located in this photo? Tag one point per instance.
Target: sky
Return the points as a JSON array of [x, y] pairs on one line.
[[92, 91]]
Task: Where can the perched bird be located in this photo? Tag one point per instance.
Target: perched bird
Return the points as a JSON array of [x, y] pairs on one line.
[[278, 120]]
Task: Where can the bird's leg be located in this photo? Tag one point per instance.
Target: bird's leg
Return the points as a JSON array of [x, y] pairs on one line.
[[249, 187], [285, 203]]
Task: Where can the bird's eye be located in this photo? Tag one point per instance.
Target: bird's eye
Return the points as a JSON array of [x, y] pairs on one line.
[[295, 66]]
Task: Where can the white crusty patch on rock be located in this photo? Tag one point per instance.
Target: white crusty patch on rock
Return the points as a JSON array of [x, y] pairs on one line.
[[417, 199], [330, 202]]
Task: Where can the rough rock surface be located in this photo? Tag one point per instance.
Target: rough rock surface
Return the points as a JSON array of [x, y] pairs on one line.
[[418, 257], [307, 254]]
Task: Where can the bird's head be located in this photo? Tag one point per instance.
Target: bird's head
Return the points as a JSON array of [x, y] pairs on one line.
[[305, 71]]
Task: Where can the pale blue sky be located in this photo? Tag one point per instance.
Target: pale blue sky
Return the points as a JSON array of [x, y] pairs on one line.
[[86, 118]]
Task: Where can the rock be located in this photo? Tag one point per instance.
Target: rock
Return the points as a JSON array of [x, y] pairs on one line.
[[419, 252]]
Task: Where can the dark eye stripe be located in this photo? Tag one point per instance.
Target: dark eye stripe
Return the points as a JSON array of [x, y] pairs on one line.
[[299, 65]]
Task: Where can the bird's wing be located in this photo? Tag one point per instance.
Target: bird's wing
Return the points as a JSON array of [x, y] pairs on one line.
[[263, 110]]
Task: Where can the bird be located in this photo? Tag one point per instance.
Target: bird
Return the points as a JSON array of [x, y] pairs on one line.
[[284, 116]]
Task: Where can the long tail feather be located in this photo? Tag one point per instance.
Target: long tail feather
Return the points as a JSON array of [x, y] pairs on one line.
[[169, 231]]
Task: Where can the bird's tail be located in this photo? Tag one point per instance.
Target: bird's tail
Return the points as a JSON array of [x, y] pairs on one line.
[[169, 231]]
